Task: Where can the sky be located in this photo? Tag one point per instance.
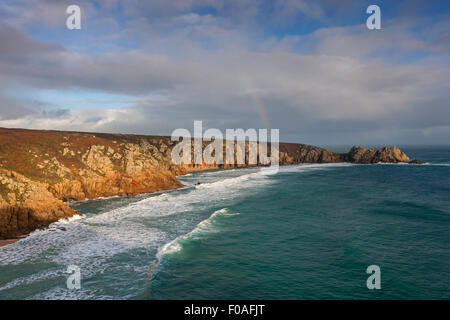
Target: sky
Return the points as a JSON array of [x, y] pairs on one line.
[[311, 69]]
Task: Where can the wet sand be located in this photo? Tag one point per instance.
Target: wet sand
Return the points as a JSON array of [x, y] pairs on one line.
[[6, 242]]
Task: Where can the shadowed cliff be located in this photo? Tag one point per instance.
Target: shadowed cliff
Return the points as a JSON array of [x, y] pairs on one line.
[[41, 169]]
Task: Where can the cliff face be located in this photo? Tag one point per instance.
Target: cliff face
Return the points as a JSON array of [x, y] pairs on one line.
[[292, 153], [41, 169], [26, 205]]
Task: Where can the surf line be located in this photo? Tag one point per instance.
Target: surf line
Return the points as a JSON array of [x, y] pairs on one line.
[[155, 264], [161, 251]]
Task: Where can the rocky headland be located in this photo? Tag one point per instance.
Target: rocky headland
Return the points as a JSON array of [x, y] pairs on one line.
[[41, 170]]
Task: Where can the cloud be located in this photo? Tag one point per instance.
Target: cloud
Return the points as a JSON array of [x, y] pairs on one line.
[[332, 85], [298, 92]]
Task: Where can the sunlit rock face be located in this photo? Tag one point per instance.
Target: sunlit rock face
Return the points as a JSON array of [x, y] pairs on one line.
[[359, 154]]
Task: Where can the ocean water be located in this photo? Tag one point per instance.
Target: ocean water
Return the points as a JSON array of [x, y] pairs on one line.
[[308, 232]]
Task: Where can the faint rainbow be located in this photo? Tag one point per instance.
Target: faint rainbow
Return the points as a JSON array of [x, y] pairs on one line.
[[261, 108]]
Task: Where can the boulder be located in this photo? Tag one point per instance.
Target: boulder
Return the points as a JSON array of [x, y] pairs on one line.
[[358, 154], [415, 161]]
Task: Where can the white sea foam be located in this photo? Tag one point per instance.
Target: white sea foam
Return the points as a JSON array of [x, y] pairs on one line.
[[70, 219], [32, 278], [444, 164], [437, 164], [306, 167], [392, 163], [60, 293]]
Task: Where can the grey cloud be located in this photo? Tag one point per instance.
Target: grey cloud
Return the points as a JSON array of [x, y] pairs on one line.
[[17, 46], [333, 91], [298, 93], [56, 113]]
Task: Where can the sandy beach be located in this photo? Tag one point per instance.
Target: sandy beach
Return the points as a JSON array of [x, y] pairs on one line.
[[8, 241]]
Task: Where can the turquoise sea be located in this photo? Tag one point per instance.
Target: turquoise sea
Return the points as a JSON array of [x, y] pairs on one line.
[[308, 232]]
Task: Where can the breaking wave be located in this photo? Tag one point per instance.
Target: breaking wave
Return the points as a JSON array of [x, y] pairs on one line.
[[205, 226]]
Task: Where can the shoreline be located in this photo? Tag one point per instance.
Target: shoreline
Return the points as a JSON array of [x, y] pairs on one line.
[[10, 241], [6, 242], [44, 170]]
